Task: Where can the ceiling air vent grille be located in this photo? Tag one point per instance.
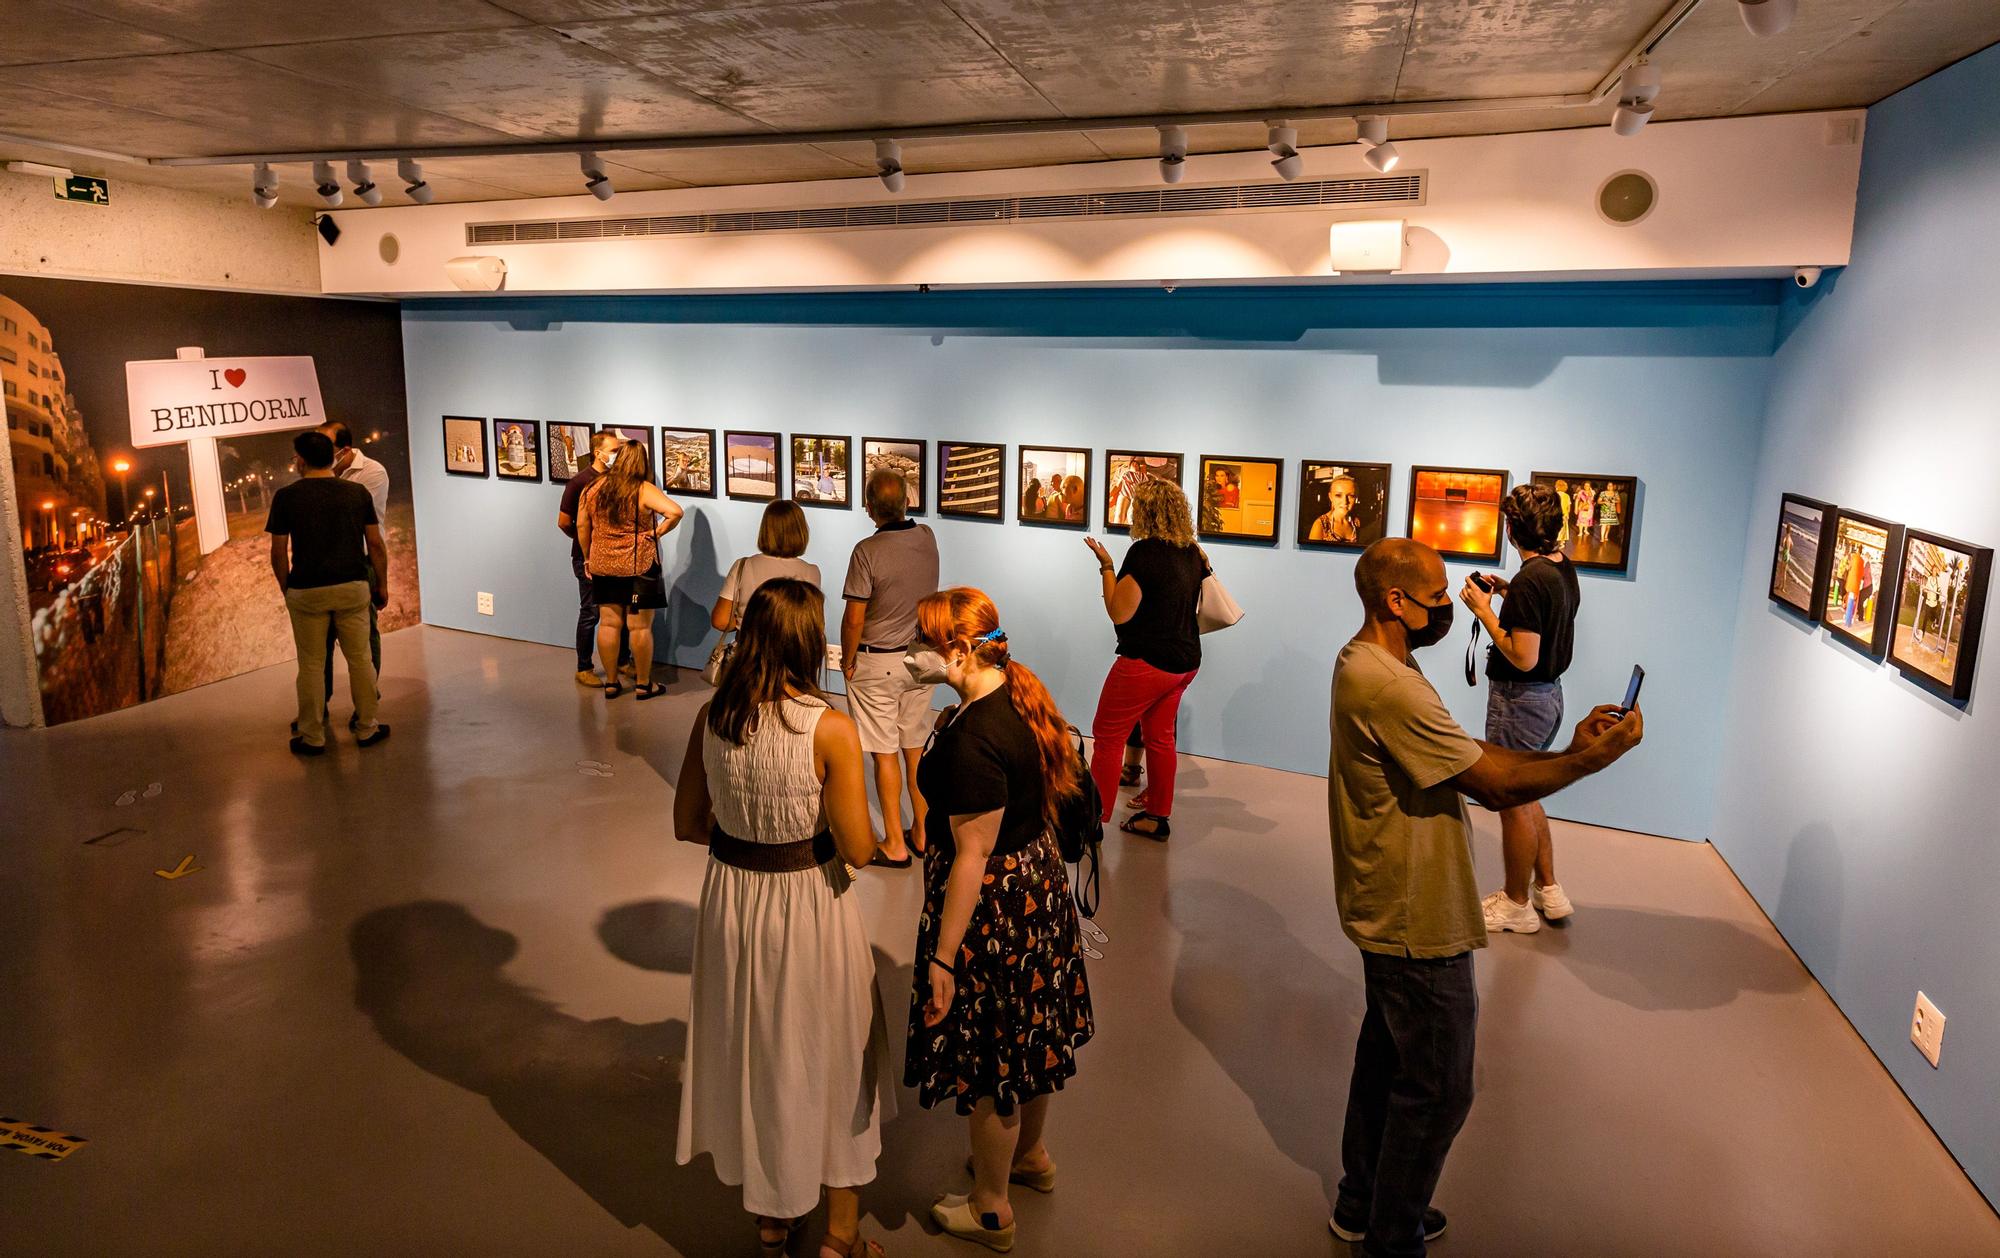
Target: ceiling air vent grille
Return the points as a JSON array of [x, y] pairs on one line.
[[1383, 190]]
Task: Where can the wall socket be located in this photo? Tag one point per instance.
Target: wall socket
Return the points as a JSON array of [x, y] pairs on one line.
[[1927, 1029], [485, 603]]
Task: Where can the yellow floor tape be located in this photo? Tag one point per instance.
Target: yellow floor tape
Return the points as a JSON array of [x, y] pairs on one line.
[[38, 1142]]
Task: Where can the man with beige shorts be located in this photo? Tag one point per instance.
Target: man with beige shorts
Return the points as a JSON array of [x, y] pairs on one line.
[[890, 571]]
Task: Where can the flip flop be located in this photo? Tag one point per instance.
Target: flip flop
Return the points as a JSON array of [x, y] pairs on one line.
[[886, 863]]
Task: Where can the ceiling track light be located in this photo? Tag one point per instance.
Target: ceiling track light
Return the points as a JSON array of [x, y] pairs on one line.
[[412, 174], [1765, 18], [1283, 141], [264, 186], [364, 182], [1173, 153], [1637, 90], [325, 186], [1374, 136], [595, 180], [889, 164]]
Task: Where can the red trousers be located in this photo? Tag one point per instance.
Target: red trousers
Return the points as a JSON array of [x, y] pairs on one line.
[[1137, 693]]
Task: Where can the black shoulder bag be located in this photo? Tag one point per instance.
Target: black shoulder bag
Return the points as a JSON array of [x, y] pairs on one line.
[[1080, 833], [650, 585]]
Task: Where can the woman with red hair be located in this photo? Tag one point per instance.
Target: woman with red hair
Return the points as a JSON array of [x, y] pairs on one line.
[[1001, 1002]]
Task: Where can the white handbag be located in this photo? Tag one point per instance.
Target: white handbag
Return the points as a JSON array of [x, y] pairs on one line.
[[718, 659], [1216, 609]]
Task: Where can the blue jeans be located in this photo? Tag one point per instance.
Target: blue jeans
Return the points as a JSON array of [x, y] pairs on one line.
[[1411, 1091], [1523, 715]]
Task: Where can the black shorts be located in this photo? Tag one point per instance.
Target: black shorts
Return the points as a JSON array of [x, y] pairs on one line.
[[617, 591]]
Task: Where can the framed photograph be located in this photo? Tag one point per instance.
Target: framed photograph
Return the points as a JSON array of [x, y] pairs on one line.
[[1239, 498], [465, 446], [517, 449], [644, 436], [1598, 514], [687, 462], [1342, 505], [751, 465], [905, 458], [1054, 484], [822, 470], [1862, 579], [569, 450], [1456, 510], [1802, 556], [1939, 609], [972, 480], [1126, 470]]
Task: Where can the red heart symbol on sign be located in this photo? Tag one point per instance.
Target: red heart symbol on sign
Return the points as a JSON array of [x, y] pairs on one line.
[[235, 376]]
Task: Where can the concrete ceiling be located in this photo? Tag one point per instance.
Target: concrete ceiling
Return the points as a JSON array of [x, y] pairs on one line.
[[177, 78]]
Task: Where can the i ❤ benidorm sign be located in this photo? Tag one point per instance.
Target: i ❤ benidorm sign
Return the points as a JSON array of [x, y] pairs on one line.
[[173, 400]]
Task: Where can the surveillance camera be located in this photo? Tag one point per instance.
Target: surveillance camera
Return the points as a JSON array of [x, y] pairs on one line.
[[1167, 284], [1806, 276]]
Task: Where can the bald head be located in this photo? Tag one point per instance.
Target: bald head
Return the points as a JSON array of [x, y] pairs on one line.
[[1397, 563]]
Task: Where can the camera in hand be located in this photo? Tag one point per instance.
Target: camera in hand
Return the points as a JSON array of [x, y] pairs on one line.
[[1485, 582]]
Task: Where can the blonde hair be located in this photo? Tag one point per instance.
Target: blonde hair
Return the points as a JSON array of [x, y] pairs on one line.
[[783, 533], [1160, 510]]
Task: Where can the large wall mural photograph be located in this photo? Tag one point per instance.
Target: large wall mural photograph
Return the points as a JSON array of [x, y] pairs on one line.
[[130, 597]]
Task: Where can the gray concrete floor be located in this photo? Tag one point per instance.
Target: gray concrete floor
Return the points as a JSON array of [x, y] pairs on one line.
[[427, 999]]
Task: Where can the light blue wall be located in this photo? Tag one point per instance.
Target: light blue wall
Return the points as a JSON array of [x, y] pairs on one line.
[[1858, 809], [1662, 381]]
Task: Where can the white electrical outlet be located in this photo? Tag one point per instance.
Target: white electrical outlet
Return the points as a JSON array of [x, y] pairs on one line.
[[1927, 1029], [485, 603]]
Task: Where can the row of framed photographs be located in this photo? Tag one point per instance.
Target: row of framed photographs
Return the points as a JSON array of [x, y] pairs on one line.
[[1915, 596], [1343, 504]]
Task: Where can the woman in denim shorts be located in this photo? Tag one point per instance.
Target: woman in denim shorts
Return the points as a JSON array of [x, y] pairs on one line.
[[1533, 632]]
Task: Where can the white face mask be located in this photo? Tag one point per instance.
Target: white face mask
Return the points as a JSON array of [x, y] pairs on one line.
[[927, 667]]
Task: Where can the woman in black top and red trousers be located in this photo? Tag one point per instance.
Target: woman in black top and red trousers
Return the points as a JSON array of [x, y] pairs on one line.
[[1001, 1003], [1151, 601]]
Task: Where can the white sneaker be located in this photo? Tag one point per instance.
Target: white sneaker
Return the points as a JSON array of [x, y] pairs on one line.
[[1503, 914], [1553, 904]]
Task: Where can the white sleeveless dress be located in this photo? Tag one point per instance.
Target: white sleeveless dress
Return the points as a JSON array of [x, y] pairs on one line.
[[787, 1069]]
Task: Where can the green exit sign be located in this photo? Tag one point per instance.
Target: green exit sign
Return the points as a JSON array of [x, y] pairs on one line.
[[84, 188]]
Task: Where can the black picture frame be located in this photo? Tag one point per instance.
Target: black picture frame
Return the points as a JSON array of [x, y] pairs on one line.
[[1876, 641], [846, 447], [1968, 614], [919, 465], [468, 426], [1781, 565], [1369, 478], [777, 465], [1081, 518], [644, 435], [1488, 555], [532, 446], [1208, 510], [683, 490], [1588, 557], [576, 456], [981, 457], [1116, 487]]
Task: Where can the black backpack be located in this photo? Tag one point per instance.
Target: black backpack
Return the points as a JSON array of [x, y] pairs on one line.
[[1080, 832]]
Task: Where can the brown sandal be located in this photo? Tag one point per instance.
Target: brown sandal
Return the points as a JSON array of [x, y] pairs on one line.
[[787, 1229], [856, 1248]]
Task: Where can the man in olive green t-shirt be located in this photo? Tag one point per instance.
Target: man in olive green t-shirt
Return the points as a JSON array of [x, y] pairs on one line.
[[1402, 869]]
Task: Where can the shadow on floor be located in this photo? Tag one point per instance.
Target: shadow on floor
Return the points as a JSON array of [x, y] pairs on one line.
[[1287, 1036], [1657, 961], [651, 934]]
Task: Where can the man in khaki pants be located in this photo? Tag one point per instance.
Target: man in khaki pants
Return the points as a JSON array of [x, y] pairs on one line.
[[330, 560]]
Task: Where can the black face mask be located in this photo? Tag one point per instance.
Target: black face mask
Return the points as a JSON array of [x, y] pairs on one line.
[[1434, 628]]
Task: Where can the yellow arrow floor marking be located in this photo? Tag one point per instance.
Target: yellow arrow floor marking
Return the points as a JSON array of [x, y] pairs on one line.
[[182, 870]]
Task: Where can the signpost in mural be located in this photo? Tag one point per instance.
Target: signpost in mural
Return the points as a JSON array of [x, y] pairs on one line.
[[193, 399]]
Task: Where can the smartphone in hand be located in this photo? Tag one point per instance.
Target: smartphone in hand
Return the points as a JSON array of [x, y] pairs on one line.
[[1632, 690]]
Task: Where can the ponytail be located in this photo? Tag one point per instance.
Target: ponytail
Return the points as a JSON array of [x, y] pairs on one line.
[[967, 615]]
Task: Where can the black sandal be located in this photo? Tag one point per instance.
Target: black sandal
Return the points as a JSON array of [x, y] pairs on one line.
[[1129, 775], [612, 689], [649, 690], [1160, 829]]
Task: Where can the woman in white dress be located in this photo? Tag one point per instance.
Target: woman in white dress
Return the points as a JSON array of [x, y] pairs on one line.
[[785, 1084]]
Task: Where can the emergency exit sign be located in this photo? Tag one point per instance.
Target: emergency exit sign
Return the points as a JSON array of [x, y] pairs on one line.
[[84, 188]]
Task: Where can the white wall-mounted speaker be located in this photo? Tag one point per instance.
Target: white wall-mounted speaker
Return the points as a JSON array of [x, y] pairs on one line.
[[477, 272], [1367, 244]]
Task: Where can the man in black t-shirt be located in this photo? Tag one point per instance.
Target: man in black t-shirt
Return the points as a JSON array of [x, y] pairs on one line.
[[330, 560], [603, 447], [1533, 635]]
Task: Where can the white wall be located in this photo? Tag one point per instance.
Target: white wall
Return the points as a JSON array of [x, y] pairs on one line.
[[154, 235], [1738, 196]]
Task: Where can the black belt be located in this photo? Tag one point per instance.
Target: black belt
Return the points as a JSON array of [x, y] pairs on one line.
[[885, 650], [771, 858]]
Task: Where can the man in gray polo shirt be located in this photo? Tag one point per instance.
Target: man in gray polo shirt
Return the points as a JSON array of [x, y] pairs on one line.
[[1402, 877], [891, 570]]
